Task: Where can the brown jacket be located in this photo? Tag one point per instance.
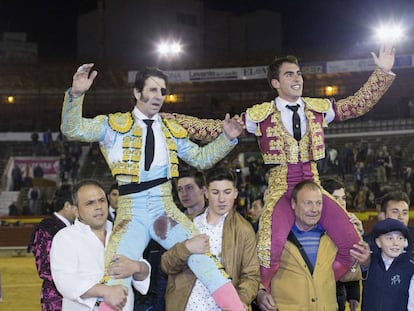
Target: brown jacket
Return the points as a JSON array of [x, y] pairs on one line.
[[239, 259]]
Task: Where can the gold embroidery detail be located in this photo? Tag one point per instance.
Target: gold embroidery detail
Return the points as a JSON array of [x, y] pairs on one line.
[[285, 149], [137, 131], [121, 122], [170, 142], [125, 168], [366, 97], [171, 145], [173, 157], [133, 155], [219, 266], [202, 129], [259, 112], [315, 145], [121, 223], [277, 187], [317, 104], [173, 212], [175, 129], [258, 131], [132, 142], [271, 132], [174, 170]]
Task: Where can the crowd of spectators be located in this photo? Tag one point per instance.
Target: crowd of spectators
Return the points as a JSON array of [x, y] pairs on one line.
[[36, 199], [368, 171]]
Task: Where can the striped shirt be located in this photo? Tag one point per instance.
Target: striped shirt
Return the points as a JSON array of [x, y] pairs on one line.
[[309, 240]]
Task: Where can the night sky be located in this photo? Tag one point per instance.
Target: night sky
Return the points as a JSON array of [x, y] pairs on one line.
[[50, 23], [306, 23]]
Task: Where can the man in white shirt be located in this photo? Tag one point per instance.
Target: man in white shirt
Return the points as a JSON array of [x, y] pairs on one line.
[[77, 257]]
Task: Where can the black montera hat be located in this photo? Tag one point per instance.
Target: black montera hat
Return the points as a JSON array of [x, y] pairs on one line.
[[389, 225]]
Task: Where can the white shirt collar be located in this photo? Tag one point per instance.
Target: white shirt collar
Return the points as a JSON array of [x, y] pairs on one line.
[[387, 262], [140, 116], [205, 214], [65, 220], [281, 103], [84, 227]]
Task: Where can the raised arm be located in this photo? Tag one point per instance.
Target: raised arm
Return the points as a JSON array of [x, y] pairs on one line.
[[73, 125], [83, 79], [200, 129], [205, 157], [371, 92], [386, 57]]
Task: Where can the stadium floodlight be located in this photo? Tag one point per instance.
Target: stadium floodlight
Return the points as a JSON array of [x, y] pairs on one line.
[[163, 48], [169, 49], [390, 33]]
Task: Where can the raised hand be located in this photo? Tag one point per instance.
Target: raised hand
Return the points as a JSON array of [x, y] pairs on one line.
[[233, 127], [386, 57], [83, 79]]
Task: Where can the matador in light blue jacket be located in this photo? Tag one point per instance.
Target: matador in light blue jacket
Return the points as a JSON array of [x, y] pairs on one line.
[[142, 150]]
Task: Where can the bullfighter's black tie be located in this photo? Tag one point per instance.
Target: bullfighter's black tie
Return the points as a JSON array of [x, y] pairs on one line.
[[149, 144], [295, 121]]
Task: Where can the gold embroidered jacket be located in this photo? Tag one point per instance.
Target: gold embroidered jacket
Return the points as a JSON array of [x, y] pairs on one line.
[[120, 141]]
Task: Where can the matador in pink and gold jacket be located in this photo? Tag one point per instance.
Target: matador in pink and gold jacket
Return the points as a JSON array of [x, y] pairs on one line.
[[292, 161]]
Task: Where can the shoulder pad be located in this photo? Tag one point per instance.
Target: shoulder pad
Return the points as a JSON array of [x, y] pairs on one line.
[[175, 128], [121, 122], [259, 112], [317, 104]]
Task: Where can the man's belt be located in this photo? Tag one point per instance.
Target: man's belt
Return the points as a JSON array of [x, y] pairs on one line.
[[142, 186]]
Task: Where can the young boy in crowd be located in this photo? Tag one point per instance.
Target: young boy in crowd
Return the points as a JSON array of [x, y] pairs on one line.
[[389, 282]]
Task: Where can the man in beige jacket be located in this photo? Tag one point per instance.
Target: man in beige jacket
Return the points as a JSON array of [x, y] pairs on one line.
[[227, 236]]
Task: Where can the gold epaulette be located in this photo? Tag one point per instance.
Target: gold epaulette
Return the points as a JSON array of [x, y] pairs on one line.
[[176, 129], [317, 104], [259, 112], [121, 122]]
